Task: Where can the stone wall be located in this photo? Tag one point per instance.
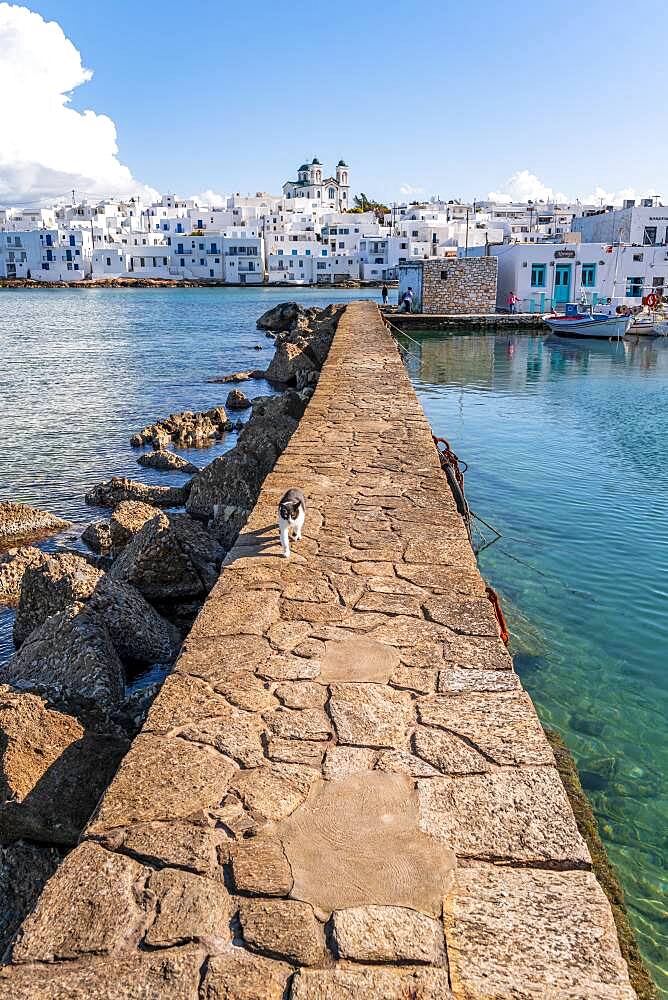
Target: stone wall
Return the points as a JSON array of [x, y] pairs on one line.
[[342, 789], [466, 285]]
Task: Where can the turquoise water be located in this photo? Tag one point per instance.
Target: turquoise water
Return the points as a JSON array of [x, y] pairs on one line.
[[80, 371], [567, 447]]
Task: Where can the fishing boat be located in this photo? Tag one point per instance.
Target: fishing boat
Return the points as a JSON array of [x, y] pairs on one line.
[[585, 322], [653, 320]]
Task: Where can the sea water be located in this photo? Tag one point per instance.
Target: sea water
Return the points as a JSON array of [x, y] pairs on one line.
[[567, 449]]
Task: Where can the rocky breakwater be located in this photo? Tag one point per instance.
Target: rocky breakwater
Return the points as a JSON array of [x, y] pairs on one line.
[[83, 627], [341, 790]]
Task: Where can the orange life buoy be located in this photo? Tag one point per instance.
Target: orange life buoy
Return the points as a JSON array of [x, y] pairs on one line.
[[652, 300]]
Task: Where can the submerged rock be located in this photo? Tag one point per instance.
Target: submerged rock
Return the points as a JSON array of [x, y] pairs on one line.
[[49, 587], [166, 461], [237, 400], [52, 770], [170, 559], [70, 659], [19, 520], [128, 518], [187, 429], [13, 565], [24, 870], [97, 536], [117, 489]]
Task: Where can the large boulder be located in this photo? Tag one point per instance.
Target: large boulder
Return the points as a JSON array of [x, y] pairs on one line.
[[24, 870], [117, 489], [13, 565], [138, 633], [19, 521], [227, 522], [71, 660], [127, 519], [186, 429], [97, 536], [303, 339], [52, 770], [166, 461], [51, 586], [170, 559], [281, 317]]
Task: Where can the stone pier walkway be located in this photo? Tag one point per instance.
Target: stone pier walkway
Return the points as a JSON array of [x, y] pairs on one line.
[[342, 791]]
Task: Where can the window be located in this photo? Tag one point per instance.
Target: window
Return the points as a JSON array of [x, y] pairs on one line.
[[321, 265], [108, 261], [588, 275], [200, 223], [308, 253], [414, 232], [179, 247], [69, 266], [538, 275], [342, 246], [638, 257], [634, 288], [216, 260], [378, 260], [201, 262], [142, 262], [45, 267], [294, 253], [73, 240], [649, 236], [210, 272], [331, 193], [183, 262], [200, 246], [214, 248]]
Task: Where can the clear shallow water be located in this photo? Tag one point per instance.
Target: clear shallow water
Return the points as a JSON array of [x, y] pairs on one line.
[[567, 446], [80, 371]]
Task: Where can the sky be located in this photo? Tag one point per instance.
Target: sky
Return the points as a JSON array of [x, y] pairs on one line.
[[458, 100]]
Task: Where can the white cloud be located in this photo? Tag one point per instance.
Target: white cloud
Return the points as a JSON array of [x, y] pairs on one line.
[[525, 186], [47, 148], [601, 196], [410, 189], [209, 198]]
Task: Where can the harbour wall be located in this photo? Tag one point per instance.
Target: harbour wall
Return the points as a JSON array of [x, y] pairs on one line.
[[342, 788]]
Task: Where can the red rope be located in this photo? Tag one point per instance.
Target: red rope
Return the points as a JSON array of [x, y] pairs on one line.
[[447, 454], [498, 611]]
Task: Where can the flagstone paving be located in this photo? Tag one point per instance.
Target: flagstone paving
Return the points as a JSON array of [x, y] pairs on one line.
[[341, 791]]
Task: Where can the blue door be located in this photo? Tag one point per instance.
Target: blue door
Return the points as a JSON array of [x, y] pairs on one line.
[[562, 283]]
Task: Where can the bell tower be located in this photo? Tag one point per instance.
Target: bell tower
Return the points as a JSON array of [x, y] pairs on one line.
[[342, 181]]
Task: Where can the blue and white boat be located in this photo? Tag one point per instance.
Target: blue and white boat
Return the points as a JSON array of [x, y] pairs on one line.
[[584, 322]]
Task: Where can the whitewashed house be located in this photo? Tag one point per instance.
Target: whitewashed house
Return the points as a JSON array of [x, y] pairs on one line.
[[641, 225], [548, 275]]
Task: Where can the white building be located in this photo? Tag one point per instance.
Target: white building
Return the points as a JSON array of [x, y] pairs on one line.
[[46, 255], [334, 192], [304, 263], [642, 225], [548, 275], [380, 256]]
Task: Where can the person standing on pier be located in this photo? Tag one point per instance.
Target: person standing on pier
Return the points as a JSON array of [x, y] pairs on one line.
[[407, 301], [512, 300], [384, 292]]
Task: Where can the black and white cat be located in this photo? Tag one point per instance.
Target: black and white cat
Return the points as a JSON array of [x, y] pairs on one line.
[[291, 514]]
